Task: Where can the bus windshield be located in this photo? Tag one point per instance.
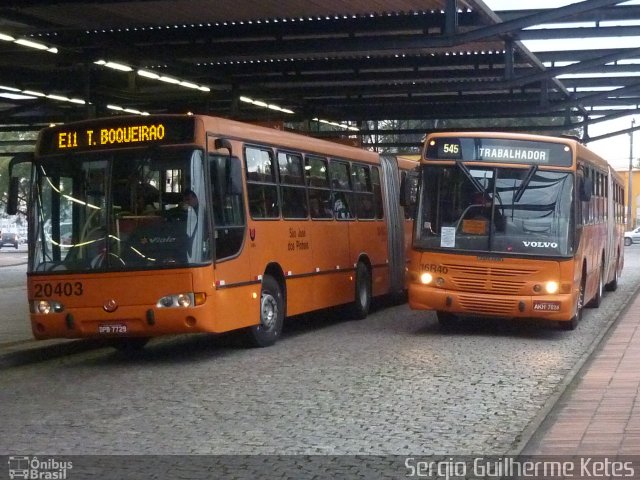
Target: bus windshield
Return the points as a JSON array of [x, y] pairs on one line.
[[120, 210], [496, 209]]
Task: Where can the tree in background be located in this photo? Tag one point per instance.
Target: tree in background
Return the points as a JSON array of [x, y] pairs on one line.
[[10, 144]]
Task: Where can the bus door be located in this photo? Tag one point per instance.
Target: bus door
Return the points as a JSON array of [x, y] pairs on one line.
[[231, 263]]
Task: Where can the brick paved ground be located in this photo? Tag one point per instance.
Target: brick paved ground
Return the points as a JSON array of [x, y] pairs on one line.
[[600, 413]]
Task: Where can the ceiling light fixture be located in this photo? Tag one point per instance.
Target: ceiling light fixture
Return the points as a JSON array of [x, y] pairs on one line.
[[27, 43], [114, 65], [335, 124], [152, 75], [118, 108], [260, 103]]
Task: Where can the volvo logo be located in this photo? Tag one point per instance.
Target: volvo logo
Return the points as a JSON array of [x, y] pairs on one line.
[[540, 244], [110, 305]]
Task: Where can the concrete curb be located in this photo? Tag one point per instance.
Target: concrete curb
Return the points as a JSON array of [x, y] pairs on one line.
[[32, 351]]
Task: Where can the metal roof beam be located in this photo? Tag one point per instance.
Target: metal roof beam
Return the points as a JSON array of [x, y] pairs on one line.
[[582, 32], [576, 67], [548, 15], [610, 13]]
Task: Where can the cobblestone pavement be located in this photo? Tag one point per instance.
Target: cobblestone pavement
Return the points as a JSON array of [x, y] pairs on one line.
[[394, 384]]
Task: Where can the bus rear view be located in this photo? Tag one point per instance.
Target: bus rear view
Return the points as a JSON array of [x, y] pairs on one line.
[[513, 226]]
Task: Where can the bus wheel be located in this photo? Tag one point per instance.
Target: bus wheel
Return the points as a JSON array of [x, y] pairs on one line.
[[612, 286], [597, 299], [570, 325], [129, 346], [268, 331], [573, 322], [362, 302], [446, 319]]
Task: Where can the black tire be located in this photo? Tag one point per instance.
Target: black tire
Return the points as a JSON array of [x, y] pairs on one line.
[[15, 245], [573, 322], [267, 332], [446, 319], [597, 299], [130, 345], [362, 300], [570, 325], [612, 286], [627, 241]]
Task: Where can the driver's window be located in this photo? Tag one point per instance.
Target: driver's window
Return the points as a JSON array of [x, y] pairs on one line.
[[228, 205]]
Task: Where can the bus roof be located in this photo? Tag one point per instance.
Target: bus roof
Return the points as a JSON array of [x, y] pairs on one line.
[[272, 136], [505, 135]]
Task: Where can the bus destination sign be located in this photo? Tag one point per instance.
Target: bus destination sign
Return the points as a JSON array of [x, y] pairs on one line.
[[115, 133], [498, 150], [502, 154]]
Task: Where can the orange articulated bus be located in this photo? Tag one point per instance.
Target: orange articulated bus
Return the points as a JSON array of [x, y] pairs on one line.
[[152, 225], [514, 226]]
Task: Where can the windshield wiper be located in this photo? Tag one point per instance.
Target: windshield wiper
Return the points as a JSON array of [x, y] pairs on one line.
[[523, 186], [476, 184]]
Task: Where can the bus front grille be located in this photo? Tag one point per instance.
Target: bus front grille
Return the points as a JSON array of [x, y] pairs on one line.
[[490, 285], [489, 271], [486, 306], [489, 279]]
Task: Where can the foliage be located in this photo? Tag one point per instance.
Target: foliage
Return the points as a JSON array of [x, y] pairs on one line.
[[391, 131], [10, 144]]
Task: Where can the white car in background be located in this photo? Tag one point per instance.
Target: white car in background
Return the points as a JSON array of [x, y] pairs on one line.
[[632, 236], [9, 238]]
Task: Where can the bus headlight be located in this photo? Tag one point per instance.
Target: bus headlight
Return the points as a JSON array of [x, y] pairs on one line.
[[426, 278], [184, 300], [552, 287], [179, 300], [45, 307]]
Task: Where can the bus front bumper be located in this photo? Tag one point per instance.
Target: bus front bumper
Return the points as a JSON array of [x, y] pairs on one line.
[[127, 322], [558, 307]]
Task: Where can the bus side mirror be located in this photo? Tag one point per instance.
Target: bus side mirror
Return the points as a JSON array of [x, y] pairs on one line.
[[220, 143], [12, 201], [408, 190], [586, 187], [14, 181]]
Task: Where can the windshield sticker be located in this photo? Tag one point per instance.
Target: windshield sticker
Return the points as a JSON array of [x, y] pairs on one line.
[[448, 237]]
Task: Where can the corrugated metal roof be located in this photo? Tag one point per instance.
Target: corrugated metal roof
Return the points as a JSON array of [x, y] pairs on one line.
[[117, 14], [336, 59]]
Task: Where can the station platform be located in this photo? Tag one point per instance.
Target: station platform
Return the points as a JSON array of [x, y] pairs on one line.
[[599, 412]]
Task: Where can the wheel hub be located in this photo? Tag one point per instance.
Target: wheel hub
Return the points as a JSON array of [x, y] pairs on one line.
[[268, 311]]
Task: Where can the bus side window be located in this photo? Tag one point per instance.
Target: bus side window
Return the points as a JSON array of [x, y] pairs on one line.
[[318, 182], [363, 196], [341, 190], [261, 183], [292, 186], [377, 192]]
